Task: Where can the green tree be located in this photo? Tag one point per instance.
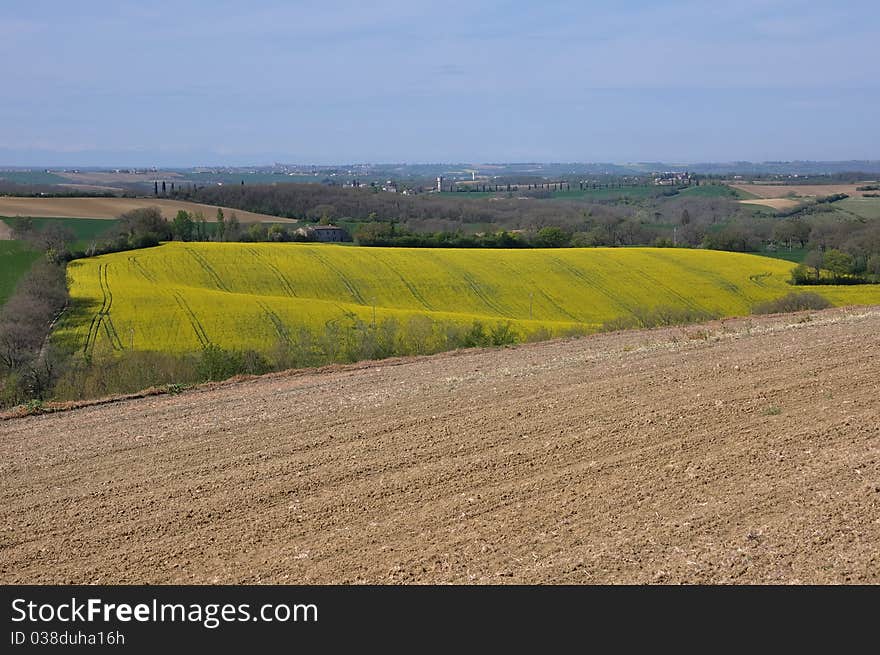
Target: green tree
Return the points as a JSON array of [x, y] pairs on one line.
[[277, 233], [258, 232], [221, 225], [839, 263], [201, 224], [183, 226], [873, 266], [374, 234], [552, 237], [801, 274], [144, 227], [233, 228]]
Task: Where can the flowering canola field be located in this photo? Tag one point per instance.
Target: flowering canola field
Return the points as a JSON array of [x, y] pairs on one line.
[[180, 297]]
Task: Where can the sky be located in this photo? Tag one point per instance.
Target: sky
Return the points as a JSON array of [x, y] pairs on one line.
[[209, 82]]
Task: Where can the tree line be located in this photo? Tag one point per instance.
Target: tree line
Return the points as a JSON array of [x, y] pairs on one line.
[[29, 365]]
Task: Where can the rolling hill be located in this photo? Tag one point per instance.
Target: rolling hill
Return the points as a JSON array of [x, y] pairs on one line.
[[98, 207], [180, 297]]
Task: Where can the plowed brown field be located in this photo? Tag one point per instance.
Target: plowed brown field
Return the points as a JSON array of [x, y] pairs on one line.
[[777, 195], [801, 190], [113, 207], [740, 451]]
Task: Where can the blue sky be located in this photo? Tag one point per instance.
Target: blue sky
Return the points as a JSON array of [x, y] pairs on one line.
[[216, 82]]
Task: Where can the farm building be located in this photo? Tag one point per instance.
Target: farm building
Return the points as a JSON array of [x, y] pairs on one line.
[[323, 233]]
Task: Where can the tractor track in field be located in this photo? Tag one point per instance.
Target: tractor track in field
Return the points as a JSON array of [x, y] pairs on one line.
[[285, 283], [550, 301], [148, 276], [280, 328], [558, 307], [102, 317], [94, 324], [409, 285], [195, 323], [687, 302], [206, 266], [749, 454], [352, 289], [585, 279], [704, 273], [109, 327], [484, 297]]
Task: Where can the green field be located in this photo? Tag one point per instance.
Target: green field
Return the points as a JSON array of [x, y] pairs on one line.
[[796, 255], [613, 193], [32, 177], [16, 257], [15, 261], [86, 230], [862, 207], [180, 297], [636, 192], [714, 191], [247, 178]]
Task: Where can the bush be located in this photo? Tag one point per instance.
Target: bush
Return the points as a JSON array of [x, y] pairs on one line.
[[662, 316], [502, 335], [107, 374], [792, 302], [552, 237], [217, 364], [802, 274]]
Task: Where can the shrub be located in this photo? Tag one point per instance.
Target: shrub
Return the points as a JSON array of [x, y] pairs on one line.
[[217, 363], [802, 274], [792, 302], [552, 237], [502, 335], [661, 316]]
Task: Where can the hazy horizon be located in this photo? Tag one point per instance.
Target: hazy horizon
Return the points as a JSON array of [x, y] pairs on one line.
[[221, 84], [380, 164]]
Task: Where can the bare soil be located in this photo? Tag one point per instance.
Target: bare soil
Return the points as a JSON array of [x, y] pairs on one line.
[[741, 451], [113, 207], [788, 196], [800, 190], [775, 203]]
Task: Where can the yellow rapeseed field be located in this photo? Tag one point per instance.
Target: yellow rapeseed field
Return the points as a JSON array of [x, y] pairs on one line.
[[180, 297]]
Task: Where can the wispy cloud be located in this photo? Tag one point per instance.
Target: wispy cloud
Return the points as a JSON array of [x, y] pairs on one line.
[[419, 80]]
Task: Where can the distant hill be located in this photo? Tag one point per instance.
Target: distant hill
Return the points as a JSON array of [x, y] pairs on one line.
[[181, 297]]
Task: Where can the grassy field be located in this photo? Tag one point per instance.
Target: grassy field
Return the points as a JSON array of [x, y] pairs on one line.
[[796, 255], [860, 206], [15, 261], [631, 192], [180, 297], [713, 191], [31, 177], [86, 230], [635, 192], [783, 197], [248, 178]]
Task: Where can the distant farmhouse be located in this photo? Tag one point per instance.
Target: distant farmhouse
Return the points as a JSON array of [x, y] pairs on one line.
[[323, 233], [672, 178]]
